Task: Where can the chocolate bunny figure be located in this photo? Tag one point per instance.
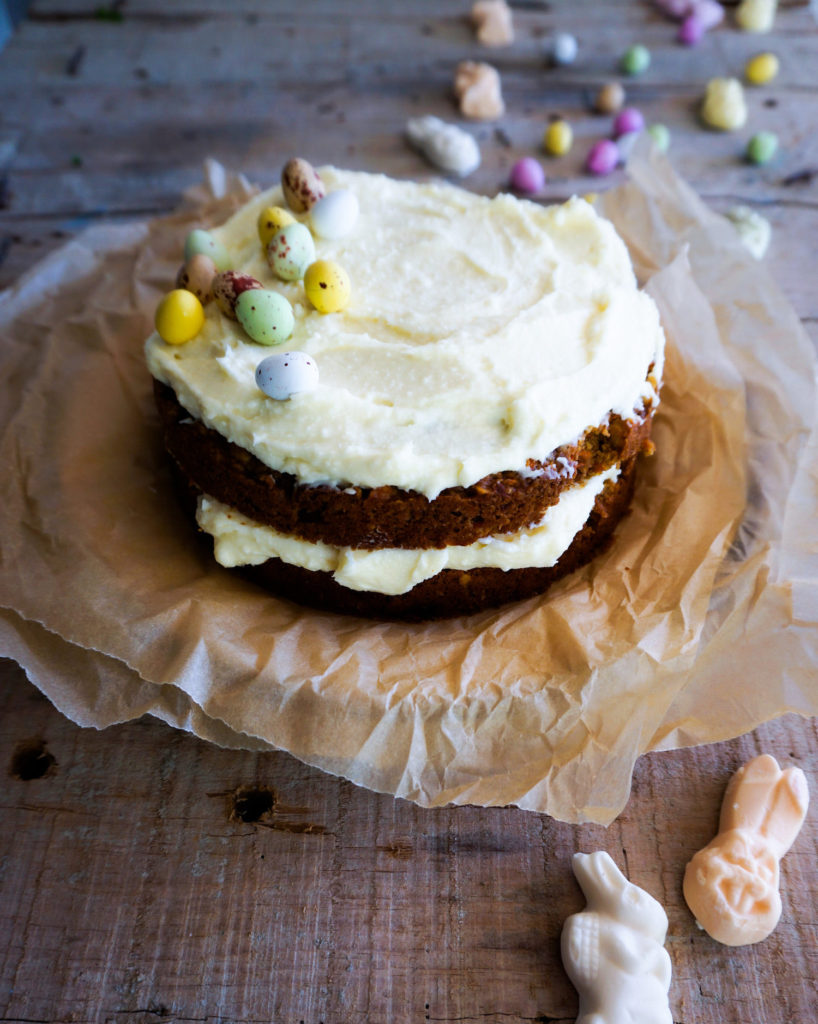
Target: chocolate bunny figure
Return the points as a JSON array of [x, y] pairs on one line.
[[613, 950], [732, 884]]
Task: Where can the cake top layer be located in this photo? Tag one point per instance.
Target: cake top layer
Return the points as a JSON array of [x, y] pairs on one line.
[[480, 333]]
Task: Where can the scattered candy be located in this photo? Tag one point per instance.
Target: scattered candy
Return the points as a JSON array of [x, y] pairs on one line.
[[754, 230], [635, 60], [301, 184], [270, 221], [724, 106], [625, 144], [227, 288], [558, 139], [179, 317], [610, 98], [628, 120], [286, 373], [660, 134], [477, 88], [335, 215], [492, 22], [709, 12], [603, 158], [613, 950], [692, 30], [197, 276], [327, 286], [731, 885], [756, 15], [200, 241], [291, 251], [445, 145], [762, 147], [761, 69], [563, 48], [265, 315], [527, 175]]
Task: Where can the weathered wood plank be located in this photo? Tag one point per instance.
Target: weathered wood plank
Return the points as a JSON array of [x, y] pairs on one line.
[[131, 886]]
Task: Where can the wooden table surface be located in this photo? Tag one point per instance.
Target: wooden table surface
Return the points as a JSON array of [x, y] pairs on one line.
[[146, 876]]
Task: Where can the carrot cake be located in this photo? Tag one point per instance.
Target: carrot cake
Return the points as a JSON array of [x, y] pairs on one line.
[[406, 400]]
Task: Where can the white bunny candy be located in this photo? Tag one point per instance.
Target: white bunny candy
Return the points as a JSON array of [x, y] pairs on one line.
[[613, 950], [732, 884]]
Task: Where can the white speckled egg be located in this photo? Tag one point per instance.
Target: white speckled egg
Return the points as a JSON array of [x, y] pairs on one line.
[[286, 373], [335, 215], [291, 251]]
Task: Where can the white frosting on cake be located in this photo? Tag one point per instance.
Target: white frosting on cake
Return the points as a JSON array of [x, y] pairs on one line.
[[238, 540], [480, 333]]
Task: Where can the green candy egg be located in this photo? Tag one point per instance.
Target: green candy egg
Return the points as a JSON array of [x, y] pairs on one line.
[[291, 251], [201, 241], [762, 147], [266, 316]]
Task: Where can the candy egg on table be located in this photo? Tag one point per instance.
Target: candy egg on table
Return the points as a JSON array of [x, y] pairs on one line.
[[558, 138], [301, 185], [179, 317], [761, 68], [291, 251], [564, 48], [660, 133], [603, 157], [628, 120], [201, 241], [197, 276], [227, 288], [610, 98], [265, 315], [635, 60], [326, 284], [762, 147], [271, 220], [527, 175], [285, 374], [335, 215]]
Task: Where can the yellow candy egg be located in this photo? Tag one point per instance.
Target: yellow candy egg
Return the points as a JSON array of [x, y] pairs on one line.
[[558, 138], [179, 317], [270, 221], [327, 286], [761, 69]]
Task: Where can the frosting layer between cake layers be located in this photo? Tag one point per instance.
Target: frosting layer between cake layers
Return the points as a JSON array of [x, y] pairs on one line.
[[480, 333], [240, 541]]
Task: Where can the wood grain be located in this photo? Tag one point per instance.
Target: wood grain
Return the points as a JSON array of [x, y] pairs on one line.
[[147, 877], [150, 877]]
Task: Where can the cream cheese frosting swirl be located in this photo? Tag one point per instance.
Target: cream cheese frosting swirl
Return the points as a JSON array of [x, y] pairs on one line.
[[480, 333]]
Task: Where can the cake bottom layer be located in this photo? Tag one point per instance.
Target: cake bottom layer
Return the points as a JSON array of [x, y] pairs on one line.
[[450, 592]]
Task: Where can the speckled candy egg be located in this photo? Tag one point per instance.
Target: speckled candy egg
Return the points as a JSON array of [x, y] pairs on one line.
[[335, 215], [291, 251], [286, 373], [179, 317], [200, 241], [326, 284], [227, 288], [270, 221], [197, 276], [266, 316], [301, 184]]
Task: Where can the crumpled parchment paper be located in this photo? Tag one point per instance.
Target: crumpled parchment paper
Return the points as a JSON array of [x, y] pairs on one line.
[[699, 623]]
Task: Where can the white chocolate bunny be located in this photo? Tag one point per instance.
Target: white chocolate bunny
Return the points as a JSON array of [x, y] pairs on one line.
[[732, 884], [613, 950]]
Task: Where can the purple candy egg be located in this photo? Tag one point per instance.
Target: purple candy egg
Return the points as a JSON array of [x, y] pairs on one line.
[[628, 120], [692, 30], [603, 158], [709, 12], [527, 175]]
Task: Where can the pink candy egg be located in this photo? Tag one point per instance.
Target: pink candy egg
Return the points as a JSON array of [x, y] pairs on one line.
[[692, 30], [603, 158], [628, 120], [527, 175]]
